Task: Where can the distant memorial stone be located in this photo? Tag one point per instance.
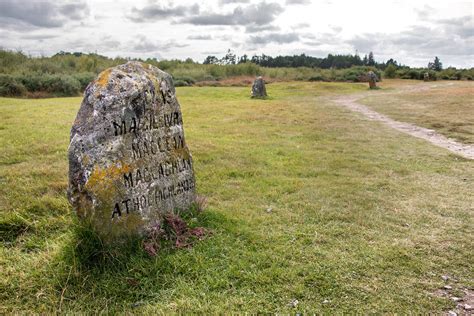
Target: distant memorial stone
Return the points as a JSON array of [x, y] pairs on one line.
[[258, 88], [426, 76], [128, 159], [372, 80]]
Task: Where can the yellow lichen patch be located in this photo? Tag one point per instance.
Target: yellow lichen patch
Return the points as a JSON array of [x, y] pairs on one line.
[[104, 77], [102, 179]]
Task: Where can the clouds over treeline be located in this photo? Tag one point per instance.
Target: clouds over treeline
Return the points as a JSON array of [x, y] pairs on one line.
[[268, 26]]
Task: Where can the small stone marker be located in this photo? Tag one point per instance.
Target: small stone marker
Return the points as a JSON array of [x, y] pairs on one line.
[[372, 80], [426, 76], [258, 88], [128, 159]]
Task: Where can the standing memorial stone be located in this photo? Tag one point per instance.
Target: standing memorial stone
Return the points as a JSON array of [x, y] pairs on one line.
[[258, 88], [128, 159], [372, 80]]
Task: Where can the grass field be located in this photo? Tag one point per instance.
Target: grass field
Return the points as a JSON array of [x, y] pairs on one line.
[[363, 218]]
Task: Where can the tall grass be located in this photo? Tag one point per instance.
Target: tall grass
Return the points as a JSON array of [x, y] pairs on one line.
[[67, 74]]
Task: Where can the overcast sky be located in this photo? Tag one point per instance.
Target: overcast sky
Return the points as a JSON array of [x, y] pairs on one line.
[[410, 31]]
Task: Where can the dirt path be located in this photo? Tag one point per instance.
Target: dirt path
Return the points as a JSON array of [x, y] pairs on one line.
[[351, 102]]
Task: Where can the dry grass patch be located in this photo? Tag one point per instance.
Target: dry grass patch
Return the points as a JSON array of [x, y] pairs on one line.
[[447, 107]]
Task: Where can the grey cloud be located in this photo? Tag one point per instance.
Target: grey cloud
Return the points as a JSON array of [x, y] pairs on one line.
[[37, 36], [211, 52], [301, 25], [110, 44], [75, 11], [302, 2], [259, 14], [319, 38], [364, 43], [336, 29], [199, 37], [154, 11], [461, 26], [275, 38], [225, 37], [309, 36], [233, 1], [144, 45], [253, 28], [425, 12], [35, 14], [448, 39]]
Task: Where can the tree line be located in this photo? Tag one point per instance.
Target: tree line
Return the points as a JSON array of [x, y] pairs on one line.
[[330, 62], [302, 60]]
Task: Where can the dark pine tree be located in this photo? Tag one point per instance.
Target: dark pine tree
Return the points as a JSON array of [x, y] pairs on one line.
[[371, 61], [243, 59]]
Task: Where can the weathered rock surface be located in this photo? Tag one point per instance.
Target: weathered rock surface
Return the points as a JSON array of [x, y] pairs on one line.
[[128, 159], [372, 79], [258, 88]]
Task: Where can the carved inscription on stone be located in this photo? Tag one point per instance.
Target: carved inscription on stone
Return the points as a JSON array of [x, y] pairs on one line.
[[128, 158]]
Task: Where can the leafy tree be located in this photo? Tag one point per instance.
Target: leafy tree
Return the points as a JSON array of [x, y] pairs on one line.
[[210, 60], [229, 58], [436, 65], [255, 59]]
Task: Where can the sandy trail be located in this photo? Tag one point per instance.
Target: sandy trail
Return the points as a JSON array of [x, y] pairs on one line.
[[351, 102]]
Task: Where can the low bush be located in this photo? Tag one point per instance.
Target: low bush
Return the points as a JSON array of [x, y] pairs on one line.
[[390, 71], [181, 83], [317, 78], [190, 81], [84, 78], [10, 87], [65, 85], [60, 85], [407, 73]]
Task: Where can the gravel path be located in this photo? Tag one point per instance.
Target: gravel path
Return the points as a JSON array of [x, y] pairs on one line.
[[351, 102]]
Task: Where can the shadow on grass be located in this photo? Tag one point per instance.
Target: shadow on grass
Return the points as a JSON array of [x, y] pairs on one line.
[[87, 269]]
